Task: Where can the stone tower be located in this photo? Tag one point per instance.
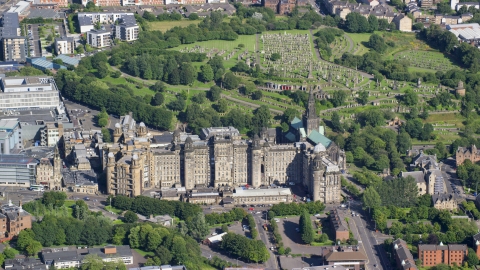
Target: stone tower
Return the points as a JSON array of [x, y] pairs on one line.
[[109, 170], [256, 162], [57, 168], [189, 164], [137, 175], [310, 119], [142, 130], [117, 133], [318, 171]]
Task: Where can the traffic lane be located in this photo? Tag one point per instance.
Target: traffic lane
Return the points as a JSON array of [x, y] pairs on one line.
[[372, 246], [271, 263]]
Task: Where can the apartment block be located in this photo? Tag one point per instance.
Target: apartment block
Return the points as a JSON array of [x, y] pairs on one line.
[[58, 3], [126, 32], [65, 45], [432, 255], [99, 38], [14, 48], [87, 20]]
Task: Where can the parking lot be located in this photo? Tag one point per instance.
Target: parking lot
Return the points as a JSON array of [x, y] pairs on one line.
[[34, 43], [291, 237]]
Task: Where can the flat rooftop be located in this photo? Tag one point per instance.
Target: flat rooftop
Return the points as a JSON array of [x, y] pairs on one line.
[[16, 160], [239, 192], [8, 123]]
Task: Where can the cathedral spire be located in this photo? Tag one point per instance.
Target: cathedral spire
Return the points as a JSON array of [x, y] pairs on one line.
[[311, 112]]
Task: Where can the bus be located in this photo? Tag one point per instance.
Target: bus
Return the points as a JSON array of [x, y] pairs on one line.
[[36, 188]]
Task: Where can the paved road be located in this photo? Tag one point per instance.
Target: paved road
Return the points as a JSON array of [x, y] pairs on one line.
[[266, 238], [371, 243]]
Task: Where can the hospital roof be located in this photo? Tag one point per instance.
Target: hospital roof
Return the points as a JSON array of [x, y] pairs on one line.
[[261, 192]]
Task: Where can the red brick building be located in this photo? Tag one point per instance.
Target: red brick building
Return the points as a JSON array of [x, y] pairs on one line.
[[13, 219], [432, 255], [283, 6], [341, 228]]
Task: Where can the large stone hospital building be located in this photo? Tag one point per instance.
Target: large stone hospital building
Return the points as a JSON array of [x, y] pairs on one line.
[[220, 158]]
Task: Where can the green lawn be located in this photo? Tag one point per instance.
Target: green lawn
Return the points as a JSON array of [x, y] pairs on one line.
[[248, 41], [317, 244], [113, 209], [358, 47], [167, 25], [118, 221], [144, 253]]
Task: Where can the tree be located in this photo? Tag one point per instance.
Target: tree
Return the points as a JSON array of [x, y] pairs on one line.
[[363, 97], [102, 122], [410, 98], [9, 253], [373, 23], [102, 70], [130, 217], [33, 248], [54, 198], [177, 105], [224, 228], [197, 227], [92, 261], [275, 56], [214, 93], [338, 97], [221, 106], [188, 74], [444, 8], [336, 124], [472, 258], [106, 135], [257, 95], [370, 198], [261, 118], [206, 73], [306, 229], [158, 99], [158, 87], [377, 43], [193, 16], [356, 23], [230, 81]]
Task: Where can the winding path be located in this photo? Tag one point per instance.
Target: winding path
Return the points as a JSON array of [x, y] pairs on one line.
[[249, 104], [366, 75]]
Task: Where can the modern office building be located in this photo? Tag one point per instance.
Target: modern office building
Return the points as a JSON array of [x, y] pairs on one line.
[[65, 45], [17, 170], [63, 258], [127, 31], [10, 136], [30, 92], [99, 38]]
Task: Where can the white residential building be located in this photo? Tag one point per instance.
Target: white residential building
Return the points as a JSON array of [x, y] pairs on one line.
[[99, 38], [28, 92], [126, 32], [87, 20], [65, 45]]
